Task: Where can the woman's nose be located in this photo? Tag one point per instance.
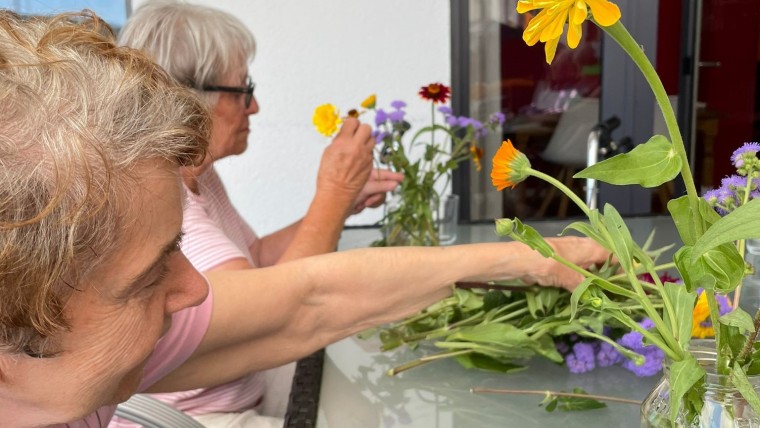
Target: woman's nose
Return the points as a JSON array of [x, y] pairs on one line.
[[253, 107], [189, 287]]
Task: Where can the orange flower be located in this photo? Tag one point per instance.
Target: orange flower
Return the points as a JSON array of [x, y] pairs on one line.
[[477, 155], [435, 92], [510, 166]]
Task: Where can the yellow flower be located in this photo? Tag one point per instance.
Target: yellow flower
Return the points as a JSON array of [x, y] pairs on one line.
[[699, 315], [477, 155], [326, 119], [510, 166], [369, 103], [548, 25]]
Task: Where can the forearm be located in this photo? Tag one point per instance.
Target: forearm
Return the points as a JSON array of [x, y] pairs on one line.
[[319, 231], [266, 317], [269, 250]]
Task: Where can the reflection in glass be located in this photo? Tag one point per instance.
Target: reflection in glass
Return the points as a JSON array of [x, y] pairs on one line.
[[508, 75]]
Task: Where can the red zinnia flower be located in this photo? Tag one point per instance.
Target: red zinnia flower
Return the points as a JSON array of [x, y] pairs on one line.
[[435, 92]]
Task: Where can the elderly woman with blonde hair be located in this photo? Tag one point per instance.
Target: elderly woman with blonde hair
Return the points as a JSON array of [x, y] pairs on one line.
[[96, 300]]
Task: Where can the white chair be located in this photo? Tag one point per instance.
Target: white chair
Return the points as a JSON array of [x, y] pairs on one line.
[[151, 413], [568, 147]]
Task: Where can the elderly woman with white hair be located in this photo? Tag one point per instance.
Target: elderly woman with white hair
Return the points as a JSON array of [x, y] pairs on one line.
[[96, 300], [209, 51]]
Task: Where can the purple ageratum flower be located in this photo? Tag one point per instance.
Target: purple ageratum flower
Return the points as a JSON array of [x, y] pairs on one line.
[[734, 182], [380, 117], [496, 118], [396, 116], [582, 359], [653, 359], [452, 120], [607, 355], [749, 149], [446, 110], [379, 136], [562, 347], [398, 104]]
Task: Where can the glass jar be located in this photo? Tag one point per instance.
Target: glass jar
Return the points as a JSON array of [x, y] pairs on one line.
[[722, 404], [429, 222], [749, 299]]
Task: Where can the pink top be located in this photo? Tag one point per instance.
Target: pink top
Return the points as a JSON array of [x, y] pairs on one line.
[[176, 346], [214, 234]]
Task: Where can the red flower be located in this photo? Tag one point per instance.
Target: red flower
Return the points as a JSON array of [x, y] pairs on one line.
[[435, 92]]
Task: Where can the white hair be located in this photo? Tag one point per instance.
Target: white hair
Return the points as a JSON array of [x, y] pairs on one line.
[[196, 45]]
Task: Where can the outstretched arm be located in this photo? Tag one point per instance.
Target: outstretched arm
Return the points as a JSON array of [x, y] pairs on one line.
[[263, 318]]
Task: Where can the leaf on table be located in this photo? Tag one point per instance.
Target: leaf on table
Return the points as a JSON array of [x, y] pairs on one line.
[[483, 362], [571, 404]]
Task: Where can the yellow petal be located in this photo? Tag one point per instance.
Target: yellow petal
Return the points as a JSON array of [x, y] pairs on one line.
[[574, 33], [605, 13], [554, 28], [550, 49], [578, 13]]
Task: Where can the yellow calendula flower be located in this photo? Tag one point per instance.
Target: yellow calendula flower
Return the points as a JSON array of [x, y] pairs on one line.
[[326, 119], [510, 166], [369, 103], [700, 314], [548, 25]]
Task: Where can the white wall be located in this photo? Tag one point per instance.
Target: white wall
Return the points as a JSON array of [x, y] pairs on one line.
[[312, 52]]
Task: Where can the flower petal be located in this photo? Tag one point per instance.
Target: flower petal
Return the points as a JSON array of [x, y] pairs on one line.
[[550, 49], [605, 13]]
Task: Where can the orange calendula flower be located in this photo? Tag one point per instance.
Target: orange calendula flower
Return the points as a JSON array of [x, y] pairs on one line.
[[700, 314], [510, 166], [369, 102], [326, 119], [477, 154], [548, 25], [435, 92]]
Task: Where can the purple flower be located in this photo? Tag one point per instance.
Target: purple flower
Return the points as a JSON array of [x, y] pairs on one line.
[[496, 118], [607, 355], [582, 359], [396, 116], [452, 120], [398, 104], [653, 359], [734, 182], [749, 149], [465, 121], [562, 347], [380, 117], [646, 323], [446, 110], [379, 136]]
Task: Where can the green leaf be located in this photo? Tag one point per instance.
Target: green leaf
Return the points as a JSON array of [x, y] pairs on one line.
[[683, 305], [740, 381], [575, 298], [589, 231], [680, 211], [545, 347], [683, 376], [649, 165], [741, 223], [720, 268], [494, 333], [552, 403], [573, 404], [483, 362], [494, 299], [738, 318], [621, 240]]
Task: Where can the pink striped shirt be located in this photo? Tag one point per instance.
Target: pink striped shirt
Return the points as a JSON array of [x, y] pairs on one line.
[[214, 234]]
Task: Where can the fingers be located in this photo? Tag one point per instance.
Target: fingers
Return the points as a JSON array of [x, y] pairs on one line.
[[354, 130], [386, 175]]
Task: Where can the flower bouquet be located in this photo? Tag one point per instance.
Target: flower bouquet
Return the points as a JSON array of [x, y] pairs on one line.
[[711, 383], [427, 159]]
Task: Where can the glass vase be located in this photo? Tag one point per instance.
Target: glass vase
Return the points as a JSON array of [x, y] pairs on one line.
[[749, 299], [429, 222], [722, 405]]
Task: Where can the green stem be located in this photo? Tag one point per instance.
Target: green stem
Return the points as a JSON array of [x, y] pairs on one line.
[[750, 342], [559, 185], [619, 33], [424, 360]]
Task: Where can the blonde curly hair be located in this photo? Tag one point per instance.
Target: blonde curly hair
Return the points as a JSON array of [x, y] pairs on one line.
[[79, 115]]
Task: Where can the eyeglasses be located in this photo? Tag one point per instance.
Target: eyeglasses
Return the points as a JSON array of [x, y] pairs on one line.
[[247, 90]]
